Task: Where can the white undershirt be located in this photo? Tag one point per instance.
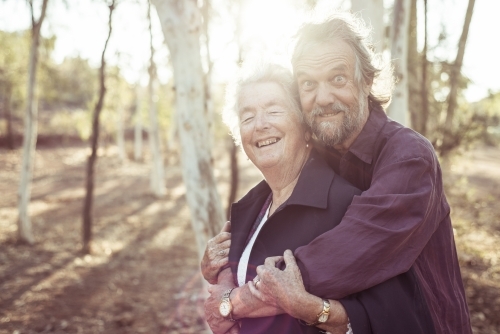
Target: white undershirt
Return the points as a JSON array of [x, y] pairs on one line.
[[243, 264]]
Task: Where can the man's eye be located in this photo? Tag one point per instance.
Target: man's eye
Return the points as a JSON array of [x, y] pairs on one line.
[[307, 85], [339, 79]]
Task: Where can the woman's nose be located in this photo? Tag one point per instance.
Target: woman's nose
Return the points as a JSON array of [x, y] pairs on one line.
[[261, 120]]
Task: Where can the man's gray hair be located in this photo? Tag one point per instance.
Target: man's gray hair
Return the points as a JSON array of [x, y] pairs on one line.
[[259, 74], [352, 31]]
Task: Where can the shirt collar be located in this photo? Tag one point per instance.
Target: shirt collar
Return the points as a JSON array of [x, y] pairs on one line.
[[312, 187], [363, 145]]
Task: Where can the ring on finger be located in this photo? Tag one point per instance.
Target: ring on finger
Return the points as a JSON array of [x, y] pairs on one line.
[[221, 252]]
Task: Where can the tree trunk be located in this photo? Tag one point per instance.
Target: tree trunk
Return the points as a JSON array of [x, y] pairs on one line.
[[120, 135], [137, 126], [455, 76], [398, 110], [7, 108], [157, 176], [414, 86], [30, 132], [233, 157], [94, 141], [372, 12], [424, 90], [209, 105], [181, 24]]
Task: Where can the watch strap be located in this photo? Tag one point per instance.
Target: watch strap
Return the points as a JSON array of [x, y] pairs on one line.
[[325, 311], [226, 296]]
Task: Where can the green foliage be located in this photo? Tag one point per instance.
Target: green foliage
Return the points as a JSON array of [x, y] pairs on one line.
[[14, 57], [72, 84]]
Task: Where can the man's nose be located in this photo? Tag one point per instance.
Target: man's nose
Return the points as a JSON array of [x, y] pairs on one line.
[[325, 95]]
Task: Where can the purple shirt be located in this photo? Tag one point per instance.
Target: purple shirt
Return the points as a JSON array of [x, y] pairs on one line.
[[400, 222]]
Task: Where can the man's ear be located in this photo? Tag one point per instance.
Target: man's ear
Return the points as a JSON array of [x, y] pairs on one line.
[[367, 87]]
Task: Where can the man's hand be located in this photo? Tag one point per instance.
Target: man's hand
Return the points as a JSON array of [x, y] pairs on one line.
[[277, 287], [216, 254]]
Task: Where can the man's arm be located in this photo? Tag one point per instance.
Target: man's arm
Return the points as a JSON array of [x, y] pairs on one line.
[[382, 233]]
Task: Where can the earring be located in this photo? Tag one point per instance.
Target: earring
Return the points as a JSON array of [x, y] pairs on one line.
[[307, 145]]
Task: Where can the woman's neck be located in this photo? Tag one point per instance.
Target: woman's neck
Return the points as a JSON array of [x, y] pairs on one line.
[[282, 180]]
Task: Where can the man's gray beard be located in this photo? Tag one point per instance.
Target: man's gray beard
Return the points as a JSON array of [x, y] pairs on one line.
[[328, 132]]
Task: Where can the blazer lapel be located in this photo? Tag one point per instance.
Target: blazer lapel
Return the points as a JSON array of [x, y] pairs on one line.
[[243, 215]]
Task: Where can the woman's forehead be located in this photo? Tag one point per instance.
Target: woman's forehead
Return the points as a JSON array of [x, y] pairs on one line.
[[262, 95]]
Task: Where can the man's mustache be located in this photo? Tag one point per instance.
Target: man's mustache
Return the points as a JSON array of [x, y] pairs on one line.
[[334, 108]]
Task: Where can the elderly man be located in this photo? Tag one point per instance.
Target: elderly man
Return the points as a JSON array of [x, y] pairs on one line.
[[401, 222]]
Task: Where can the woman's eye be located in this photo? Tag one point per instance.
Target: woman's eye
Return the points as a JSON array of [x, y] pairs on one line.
[[246, 119], [276, 112]]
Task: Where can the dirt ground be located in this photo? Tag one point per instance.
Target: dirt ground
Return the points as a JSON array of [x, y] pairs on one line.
[[143, 274]]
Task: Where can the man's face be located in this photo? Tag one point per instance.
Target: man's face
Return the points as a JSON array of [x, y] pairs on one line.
[[334, 106]]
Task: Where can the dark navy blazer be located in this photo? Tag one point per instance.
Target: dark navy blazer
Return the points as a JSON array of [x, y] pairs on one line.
[[317, 204]]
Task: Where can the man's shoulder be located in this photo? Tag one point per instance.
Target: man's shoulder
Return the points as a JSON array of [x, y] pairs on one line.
[[399, 143]]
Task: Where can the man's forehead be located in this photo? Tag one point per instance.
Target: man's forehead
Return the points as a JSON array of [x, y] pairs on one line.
[[326, 55]]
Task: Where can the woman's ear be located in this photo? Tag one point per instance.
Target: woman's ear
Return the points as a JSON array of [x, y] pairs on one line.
[[307, 136]]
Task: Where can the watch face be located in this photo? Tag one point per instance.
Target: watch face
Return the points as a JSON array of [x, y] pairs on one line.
[[323, 318], [224, 308]]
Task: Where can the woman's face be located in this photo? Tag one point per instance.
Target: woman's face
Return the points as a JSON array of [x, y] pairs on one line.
[[271, 133]]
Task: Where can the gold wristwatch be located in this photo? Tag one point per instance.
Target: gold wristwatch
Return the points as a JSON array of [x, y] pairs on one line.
[[322, 317], [225, 306]]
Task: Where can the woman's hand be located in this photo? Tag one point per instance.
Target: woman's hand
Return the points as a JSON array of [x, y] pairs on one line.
[[218, 324], [216, 254]]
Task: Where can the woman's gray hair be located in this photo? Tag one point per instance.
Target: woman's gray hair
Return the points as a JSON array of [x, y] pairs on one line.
[[353, 31], [259, 74]]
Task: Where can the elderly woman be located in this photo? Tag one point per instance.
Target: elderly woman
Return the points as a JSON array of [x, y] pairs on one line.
[[299, 186], [300, 198]]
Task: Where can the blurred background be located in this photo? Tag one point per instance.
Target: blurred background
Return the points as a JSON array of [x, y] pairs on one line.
[[113, 153]]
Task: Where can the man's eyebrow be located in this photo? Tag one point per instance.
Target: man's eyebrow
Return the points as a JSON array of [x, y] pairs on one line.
[[300, 73], [339, 67]]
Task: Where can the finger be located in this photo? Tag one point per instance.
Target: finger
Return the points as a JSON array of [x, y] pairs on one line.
[[221, 237], [289, 258], [222, 262], [255, 292], [225, 246], [271, 261], [226, 227]]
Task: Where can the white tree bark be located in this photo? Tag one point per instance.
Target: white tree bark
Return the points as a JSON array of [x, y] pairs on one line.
[[30, 132], [398, 110], [157, 175], [137, 126], [372, 12], [120, 135], [181, 25]]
